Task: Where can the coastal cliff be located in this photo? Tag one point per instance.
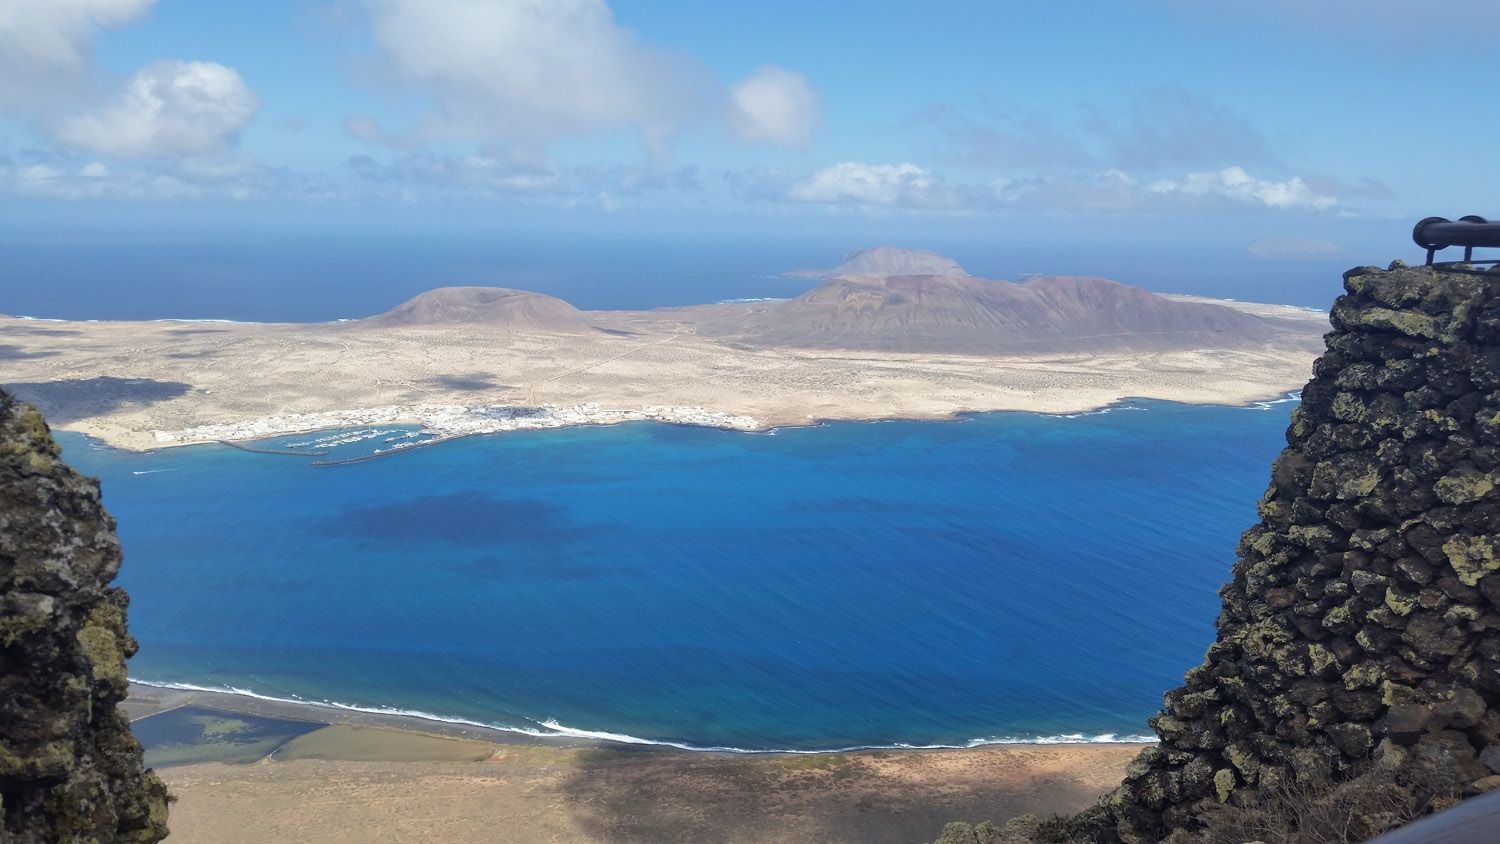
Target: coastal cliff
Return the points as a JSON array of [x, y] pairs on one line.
[[70, 770], [1359, 639]]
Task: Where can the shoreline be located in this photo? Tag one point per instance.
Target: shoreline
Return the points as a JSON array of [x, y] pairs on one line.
[[237, 778], [152, 698], [101, 435]]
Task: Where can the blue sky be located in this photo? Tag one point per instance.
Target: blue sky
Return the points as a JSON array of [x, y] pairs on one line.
[[1301, 129]]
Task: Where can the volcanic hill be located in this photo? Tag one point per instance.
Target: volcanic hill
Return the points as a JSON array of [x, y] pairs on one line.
[[500, 307], [894, 260], [895, 299]]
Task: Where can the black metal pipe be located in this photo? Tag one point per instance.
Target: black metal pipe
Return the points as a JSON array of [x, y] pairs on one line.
[[1436, 233]]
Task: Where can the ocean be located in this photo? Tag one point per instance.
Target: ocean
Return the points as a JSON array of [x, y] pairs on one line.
[[1004, 577], [319, 276]]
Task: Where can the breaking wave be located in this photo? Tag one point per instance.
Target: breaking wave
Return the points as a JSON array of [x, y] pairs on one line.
[[550, 728]]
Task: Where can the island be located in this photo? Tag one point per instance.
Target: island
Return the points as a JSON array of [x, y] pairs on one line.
[[891, 333]]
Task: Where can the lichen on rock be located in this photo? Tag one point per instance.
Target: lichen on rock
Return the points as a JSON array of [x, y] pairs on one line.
[[1362, 624], [70, 771]]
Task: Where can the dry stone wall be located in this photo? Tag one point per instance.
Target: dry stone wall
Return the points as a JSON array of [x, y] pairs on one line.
[[1362, 625], [70, 771]]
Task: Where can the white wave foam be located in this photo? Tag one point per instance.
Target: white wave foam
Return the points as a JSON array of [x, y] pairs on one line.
[[550, 728], [219, 321], [1099, 412], [1270, 404]]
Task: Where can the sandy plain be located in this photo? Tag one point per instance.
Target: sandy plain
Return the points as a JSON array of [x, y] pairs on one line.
[[560, 795], [125, 381], [385, 778]]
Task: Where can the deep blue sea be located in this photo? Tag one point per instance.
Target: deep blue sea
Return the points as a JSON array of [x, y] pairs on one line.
[[318, 276], [1008, 576]]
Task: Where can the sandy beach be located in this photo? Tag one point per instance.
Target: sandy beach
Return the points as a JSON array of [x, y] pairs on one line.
[[369, 778], [141, 385]]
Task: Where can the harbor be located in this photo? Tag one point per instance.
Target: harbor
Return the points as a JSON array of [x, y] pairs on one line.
[[434, 423]]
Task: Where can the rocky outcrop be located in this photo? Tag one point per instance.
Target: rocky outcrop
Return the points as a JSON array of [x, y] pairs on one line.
[[1362, 624], [70, 771]]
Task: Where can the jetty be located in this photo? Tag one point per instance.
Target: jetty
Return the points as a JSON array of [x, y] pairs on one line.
[[257, 450]]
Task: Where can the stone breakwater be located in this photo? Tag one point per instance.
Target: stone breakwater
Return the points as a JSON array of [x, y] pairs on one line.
[[446, 421], [1362, 624], [69, 768]]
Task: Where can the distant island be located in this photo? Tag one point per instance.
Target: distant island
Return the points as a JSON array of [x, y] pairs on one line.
[[889, 333], [887, 260], [518, 310]]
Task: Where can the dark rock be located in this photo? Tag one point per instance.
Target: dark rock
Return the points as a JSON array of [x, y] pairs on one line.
[[69, 768], [1362, 621], [1432, 636], [1458, 591], [1416, 571], [1353, 740], [1463, 709], [1489, 587], [1487, 731], [1490, 756], [1450, 750], [1403, 722]]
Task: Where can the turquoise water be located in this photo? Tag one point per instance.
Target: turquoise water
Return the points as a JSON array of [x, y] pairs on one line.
[[1008, 576], [191, 734]]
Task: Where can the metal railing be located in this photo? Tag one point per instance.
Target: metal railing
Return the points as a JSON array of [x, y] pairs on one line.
[[1438, 233], [1474, 821]]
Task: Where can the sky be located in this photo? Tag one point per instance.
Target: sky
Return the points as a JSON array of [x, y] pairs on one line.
[[1283, 130]]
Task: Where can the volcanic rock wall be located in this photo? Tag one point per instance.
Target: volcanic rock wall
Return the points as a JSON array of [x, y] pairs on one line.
[[1363, 621], [70, 771]]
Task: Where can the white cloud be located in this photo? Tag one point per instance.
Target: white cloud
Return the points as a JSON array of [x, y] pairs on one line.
[[1109, 190], [1165, 148], [93, 181], [909, 186], [1235, 183], [774, 105], [427, 174], [1153, 129], [363, 127], [44, 45], [469, 171], [530, 72], [526, 73], [167, 109], [1174, 127], [232, 177], [858, 183]]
